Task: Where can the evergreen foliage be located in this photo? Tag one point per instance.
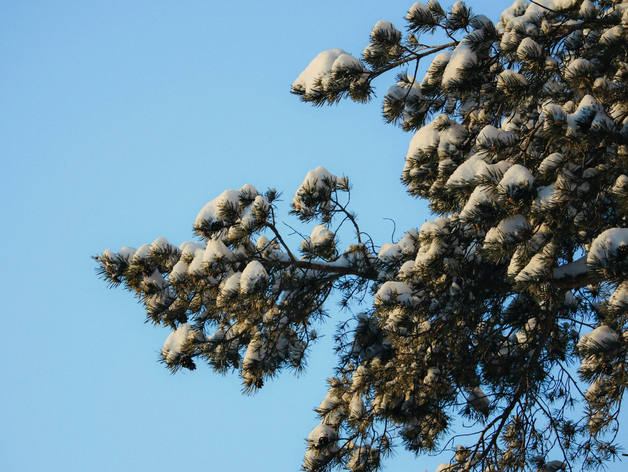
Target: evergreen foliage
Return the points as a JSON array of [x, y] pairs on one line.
[[509, 310]]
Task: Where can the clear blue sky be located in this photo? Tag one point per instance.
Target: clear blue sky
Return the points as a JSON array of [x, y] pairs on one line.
[[119, 121]]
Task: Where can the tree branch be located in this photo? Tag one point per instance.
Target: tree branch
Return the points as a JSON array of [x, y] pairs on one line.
[[326, 267], [415, 56], [574, 275]]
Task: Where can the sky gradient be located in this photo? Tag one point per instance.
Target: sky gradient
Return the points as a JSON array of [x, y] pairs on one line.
[[120, 120]]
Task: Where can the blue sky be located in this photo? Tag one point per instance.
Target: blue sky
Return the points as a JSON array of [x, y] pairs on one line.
[[120, 120]]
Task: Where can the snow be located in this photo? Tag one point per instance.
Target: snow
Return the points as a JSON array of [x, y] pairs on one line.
[[432, 376], [248, 191], [597, 417], [600, 336], [216, 251], [270, 315], [126, 252], [607, 244], [211, 210], [508, 78], [394, 317], [255, 352], [516, 10], [491, 135], [329, 408], [467, 171], [405, 247], [525, 17], [538, 267], [189, 248], [410, 93], [263, 243], [570, 301], [359, 375], [577, 67], [516, 177], [406, 269], [431, 75], [551, 162], [356, 406], [551, 63], [481, 22], [546, 197], [155, 279], [428, 252], [391, 289], [217, 337], [523, 336], [540, 7], [620, 185], [322, 431], [108, 253], [345, 62], [458, 8], [321, 68], [597, 388], [572, 269], [318, 68], [407, 241], [508, 230], [528, 48], [424, 140], [402, 90], [478, 400], [619, 297], [177, 274], [612, 35], [230, 284], [321, 235], [451, 137], [602, 84], [160, 243], [361, 455], [462, 58], [431, 229], [269, 251], [589, 110], [252, 276], [142, 253], [542, 234], [481, 195], [387, 30], [248, 219], [418, 8], [389, 253], [196, 267], [353, 256], [587, 8], [173, 347], [516, 262], [318, 183]]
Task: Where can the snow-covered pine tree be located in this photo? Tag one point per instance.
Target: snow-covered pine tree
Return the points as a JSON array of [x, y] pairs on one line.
[[520, 146]]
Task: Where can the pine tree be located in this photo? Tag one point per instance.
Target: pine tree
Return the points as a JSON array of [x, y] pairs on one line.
[[509, 309]]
